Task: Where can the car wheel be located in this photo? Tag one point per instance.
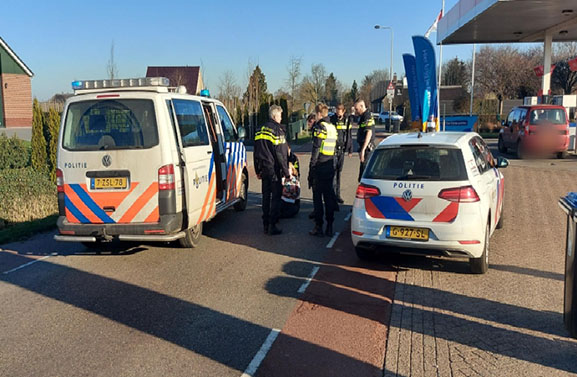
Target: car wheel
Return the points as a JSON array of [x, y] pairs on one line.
[[242, 195], [191, 236], [520, 151], [481, 265], [365, 254], [562, 155], [501, 145]]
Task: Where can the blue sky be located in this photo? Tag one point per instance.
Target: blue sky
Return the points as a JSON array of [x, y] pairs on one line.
[[63, 41]]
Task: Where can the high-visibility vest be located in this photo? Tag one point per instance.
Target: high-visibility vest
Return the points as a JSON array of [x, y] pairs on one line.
[[266, 133], [329, 139]]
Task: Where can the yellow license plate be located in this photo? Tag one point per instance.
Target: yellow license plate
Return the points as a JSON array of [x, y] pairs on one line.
[[407, 233], [109, 183]]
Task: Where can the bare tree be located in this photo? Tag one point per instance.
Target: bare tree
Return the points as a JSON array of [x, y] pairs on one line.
[[111, 66], [313, 85], [563, 79], [294, 73], [229, 91]]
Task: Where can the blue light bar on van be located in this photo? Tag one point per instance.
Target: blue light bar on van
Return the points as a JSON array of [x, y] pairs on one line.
[[205, 93], [120, 83]]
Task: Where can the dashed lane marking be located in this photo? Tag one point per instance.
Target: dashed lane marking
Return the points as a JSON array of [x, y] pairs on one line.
[[260, 355], [303, 287], [26, 264], [333, 240]]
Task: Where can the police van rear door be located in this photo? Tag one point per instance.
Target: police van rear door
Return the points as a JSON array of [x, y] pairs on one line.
[[105, 139]]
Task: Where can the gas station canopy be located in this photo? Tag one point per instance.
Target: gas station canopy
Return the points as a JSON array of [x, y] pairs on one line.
[[508, 21]]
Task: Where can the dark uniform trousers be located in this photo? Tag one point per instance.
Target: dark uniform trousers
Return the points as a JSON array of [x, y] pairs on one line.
[[339, 163], [271, 199], [363, 165], [323, 191]]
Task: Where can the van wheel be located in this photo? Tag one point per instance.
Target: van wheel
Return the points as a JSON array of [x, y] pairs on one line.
[[481, 265], [191, 237], [501, 145], [562, 155], [243, 194]]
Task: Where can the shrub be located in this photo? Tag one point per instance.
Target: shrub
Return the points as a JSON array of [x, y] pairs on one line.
[[52, 124], [39, 157], [14, 153], [26, 194]]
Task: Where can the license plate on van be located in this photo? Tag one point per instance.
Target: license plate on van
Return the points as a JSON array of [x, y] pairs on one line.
[[408, 233], [116, 183]]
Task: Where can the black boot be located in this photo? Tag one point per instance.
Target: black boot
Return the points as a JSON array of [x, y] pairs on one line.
[[273, 230], [312, 215], [317, 231], [329, 231], [265, 228], [340, 200]]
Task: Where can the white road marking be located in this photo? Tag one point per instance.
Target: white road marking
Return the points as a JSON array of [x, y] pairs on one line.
[[333, 240], [305, 285], [26, 264], [348, 216], [260, 355]]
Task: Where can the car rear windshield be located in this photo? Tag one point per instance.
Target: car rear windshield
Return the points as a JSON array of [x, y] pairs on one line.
[[547, 116], [110, 124], [417, 163]]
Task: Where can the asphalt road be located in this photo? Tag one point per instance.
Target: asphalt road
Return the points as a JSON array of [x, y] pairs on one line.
[[157, 309], [151, 310]]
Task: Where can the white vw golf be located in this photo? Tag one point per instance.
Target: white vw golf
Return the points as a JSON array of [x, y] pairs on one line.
[[432, 194]]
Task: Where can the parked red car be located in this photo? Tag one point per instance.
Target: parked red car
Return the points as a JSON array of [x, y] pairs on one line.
[[538, 129]]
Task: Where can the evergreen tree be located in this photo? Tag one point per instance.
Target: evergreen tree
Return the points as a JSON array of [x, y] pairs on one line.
[[53, 126], [354, 91], [38, 141], [331, 91]]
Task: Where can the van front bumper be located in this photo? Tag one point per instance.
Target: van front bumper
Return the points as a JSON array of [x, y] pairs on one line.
[[169, 228]]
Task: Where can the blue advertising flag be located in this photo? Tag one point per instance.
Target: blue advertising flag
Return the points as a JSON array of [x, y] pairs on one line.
[[412, 83], [426, 73]]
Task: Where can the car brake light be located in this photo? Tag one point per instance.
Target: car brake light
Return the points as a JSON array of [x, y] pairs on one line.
[[367, 191], [166, 177], [59, 180], [471, 242], [464, 194], [356, 233]]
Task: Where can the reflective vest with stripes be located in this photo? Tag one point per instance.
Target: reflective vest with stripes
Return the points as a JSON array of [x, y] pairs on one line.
[[328, 135], [266, 133]]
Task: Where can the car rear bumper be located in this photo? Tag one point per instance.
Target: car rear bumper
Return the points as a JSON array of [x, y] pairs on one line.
[[169, 228]]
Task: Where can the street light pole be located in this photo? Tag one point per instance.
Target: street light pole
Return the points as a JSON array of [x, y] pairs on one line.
[[390, 71]]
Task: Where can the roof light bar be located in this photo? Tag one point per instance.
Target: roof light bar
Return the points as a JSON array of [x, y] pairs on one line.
[[120, 83]]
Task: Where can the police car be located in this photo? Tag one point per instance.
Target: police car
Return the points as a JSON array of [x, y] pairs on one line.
[[141, 161], [432, 194]]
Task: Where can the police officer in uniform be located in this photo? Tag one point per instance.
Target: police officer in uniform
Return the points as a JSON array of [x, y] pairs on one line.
[[322, 171], [271, 165], [365, 134], [344, 145]]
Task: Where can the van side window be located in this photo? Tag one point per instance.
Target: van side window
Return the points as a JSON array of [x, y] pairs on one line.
[[227, 126], [191, 123], [511, 117]]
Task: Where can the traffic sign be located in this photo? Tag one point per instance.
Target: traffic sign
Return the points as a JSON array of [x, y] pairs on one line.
[[390, 90]]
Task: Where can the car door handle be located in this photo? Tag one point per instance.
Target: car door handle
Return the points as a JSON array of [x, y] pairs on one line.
[[208, 152]]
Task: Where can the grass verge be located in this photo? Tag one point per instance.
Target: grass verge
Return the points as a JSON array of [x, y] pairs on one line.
[[23, 230]]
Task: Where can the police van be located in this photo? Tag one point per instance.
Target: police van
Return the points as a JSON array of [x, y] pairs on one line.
[[141, 161]]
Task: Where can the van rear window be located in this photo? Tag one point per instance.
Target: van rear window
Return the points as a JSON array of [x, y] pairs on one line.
[[110, 124], [547, 116], [417, 163]]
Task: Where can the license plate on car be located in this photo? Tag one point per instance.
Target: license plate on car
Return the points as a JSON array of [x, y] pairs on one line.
[[115, 183], [408, 233]]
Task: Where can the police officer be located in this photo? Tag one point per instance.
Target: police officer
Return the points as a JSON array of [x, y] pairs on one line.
[[365, 134], [270, 165], [344, 145], [322, 171]]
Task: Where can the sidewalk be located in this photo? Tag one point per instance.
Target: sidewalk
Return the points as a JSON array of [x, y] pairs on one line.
[[508, 322]]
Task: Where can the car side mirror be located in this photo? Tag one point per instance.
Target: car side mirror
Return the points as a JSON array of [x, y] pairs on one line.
[[241, 133], [502, 162]]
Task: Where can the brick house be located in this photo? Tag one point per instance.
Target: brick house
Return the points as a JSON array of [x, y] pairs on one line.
[[190, 77], [15, 89]]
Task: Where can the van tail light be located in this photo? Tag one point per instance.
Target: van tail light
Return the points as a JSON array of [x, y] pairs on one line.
[[59, 180], [367, 191], [166, 177], [463, 194]]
